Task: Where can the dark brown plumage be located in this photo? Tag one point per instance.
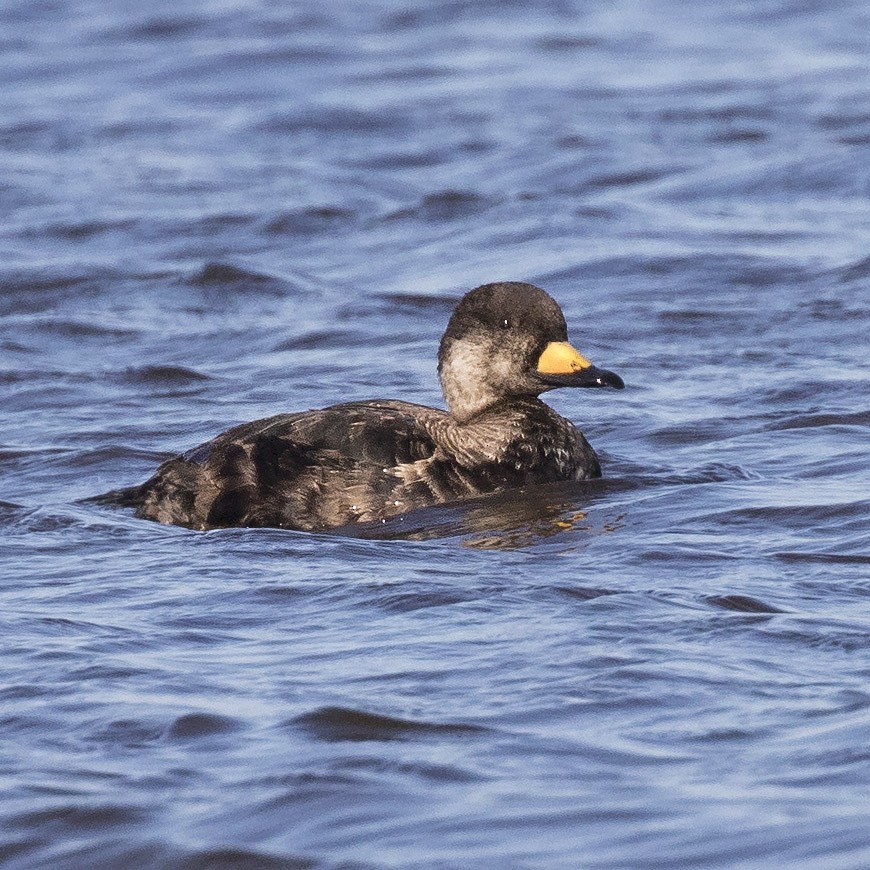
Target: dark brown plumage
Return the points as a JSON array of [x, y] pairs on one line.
[[365, 461]]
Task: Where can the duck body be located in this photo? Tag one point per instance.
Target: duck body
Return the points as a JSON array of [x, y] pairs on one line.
[[361, 462], [368, 461]]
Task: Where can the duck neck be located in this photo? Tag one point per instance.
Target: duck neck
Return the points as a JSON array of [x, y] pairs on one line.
[[466, 381], [489, 436]]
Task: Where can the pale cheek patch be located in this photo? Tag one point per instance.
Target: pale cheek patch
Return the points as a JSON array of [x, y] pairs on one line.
[[465, 378]]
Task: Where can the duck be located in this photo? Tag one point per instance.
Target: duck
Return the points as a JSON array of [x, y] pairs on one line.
[[361, 462]]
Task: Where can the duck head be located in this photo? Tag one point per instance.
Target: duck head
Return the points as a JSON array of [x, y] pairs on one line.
[[509, 340]]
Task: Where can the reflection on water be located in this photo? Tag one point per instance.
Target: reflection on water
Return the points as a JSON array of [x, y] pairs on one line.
[[506, 520]]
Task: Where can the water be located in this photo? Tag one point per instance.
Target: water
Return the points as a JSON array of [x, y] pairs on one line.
[[217, 212]]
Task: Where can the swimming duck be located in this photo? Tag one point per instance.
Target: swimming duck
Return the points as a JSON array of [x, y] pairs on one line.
[[505, 344]]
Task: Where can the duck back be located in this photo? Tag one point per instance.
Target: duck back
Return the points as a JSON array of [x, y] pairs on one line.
[[311, 470]]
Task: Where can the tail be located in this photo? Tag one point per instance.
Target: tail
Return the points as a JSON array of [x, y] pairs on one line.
[[130, 497]]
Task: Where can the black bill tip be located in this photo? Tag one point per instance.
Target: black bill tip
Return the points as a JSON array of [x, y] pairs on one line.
[[588, 377]]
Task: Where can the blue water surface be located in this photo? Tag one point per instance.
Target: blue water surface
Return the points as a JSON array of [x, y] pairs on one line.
[[212, 212]]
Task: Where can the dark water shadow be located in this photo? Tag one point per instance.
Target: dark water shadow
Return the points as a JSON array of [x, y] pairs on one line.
[[335, 724]]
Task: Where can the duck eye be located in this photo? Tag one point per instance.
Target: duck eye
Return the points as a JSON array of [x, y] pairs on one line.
[[505, 324]]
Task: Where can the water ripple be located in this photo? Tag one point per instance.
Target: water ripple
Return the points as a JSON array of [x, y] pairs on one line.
[[341, 723]]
